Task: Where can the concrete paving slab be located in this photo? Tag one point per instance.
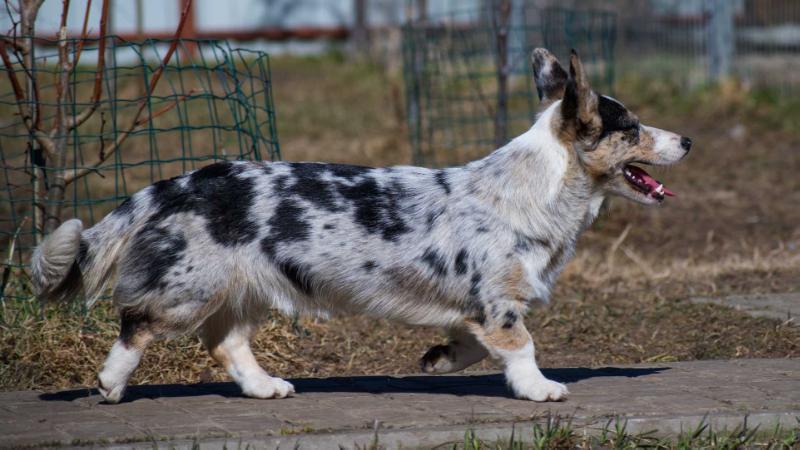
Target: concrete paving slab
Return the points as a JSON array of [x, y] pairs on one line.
[[783, 307], [407, 410]]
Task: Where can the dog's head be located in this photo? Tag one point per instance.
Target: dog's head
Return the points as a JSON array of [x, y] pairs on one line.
[[607, 138]]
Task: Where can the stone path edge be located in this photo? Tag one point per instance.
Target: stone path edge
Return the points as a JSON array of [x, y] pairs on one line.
[[489, 432]]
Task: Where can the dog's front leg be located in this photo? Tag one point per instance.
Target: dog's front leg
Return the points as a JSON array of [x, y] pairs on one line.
[[510, 343]]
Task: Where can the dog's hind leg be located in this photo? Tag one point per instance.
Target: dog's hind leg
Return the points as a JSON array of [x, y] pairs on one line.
[[228, 342], [135, 334], [462, 351], [510, 343]]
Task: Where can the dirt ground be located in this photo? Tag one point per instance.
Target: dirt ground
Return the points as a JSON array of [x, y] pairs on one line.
[[734, 227]]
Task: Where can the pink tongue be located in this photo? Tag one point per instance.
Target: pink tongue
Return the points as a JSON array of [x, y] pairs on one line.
[[650, 181]]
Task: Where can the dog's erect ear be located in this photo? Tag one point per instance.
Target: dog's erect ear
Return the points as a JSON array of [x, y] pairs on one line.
[[581, 121], [549, 76]]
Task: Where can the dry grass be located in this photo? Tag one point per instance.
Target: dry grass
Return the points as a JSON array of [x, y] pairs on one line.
[[733, 228]]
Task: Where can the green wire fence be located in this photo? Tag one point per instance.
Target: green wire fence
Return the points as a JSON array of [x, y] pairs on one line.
[[212, 102], [468, 74]]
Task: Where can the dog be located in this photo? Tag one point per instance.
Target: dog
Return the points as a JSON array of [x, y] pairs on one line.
[[465, 248]]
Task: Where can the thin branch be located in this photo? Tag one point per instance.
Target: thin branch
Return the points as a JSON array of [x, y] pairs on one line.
[[41, 137], [12, 32], [136, 122], [13, 42], [84, 33], [167, 108], [98, 74], [62, 82], [12, 75]]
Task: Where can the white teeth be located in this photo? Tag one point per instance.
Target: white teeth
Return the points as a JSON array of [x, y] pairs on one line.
[[660, 189]]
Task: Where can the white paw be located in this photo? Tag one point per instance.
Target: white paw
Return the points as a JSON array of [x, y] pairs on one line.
[[540, 390], [111, 391], [267, 387]]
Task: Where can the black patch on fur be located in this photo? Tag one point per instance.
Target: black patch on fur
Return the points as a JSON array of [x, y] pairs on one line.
[[310, 185], [125, 207], [555, 259], [153, 253], [83, 253], [347, 171], [553, 83], [569, 103], [216, 193], [482, 229], [475, 284], [285, 225], [435, 261], [369, 266], [510, 319], [267, 169], [615, 117], [461, 262], [189, 268], [279, 183], [480, 317], [131, 323], [377, 208], [441, 180], [298, 274], [429, 221], [329, 226], [525, 243], [225, 199], [432, 216]]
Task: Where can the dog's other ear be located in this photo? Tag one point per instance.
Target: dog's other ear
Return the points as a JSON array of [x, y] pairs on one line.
[[549, 76], [581, 120]]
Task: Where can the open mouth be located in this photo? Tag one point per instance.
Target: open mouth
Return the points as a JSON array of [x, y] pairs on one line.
[[644, 183]]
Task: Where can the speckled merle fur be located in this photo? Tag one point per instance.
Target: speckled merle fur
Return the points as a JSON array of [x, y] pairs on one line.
[[468, 248]]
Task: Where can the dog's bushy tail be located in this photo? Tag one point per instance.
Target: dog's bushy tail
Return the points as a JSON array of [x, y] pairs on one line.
[[71, 261], [56, 273]]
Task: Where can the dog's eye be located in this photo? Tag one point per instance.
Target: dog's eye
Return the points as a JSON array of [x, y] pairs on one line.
[[633, 133]]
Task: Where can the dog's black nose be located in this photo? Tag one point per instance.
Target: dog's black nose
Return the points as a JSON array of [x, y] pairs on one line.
[[686, 143]]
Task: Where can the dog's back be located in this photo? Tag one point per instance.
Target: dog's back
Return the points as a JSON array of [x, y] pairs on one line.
[[302, 237]]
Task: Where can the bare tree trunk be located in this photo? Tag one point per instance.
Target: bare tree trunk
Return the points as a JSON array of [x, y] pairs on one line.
[[28, 10], [57, 188]]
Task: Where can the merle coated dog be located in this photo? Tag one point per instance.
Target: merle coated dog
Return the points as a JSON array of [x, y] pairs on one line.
[[465, 248]]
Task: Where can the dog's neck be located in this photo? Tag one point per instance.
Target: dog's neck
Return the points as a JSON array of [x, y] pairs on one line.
[[537, 184]]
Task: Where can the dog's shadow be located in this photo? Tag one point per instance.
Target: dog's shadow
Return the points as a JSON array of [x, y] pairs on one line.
[[482, 385]]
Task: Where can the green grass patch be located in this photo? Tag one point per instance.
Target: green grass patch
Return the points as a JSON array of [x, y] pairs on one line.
[[561, 433]]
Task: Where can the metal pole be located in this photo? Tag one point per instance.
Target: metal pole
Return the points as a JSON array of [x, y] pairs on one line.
[[360, 36], [721, 41], [500, 13]]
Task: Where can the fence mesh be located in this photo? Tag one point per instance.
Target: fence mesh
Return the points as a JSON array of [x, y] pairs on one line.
[[212, 102], [468, 75], [698, 41]]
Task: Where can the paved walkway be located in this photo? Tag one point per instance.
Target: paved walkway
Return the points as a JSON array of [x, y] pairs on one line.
[[783, 307], [408, 411]]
